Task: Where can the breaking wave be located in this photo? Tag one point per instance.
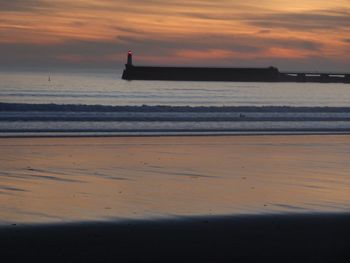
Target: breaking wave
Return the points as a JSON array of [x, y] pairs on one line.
[[161, 108], [80, 119]]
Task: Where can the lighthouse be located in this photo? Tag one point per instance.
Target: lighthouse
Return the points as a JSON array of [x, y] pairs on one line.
[[129, 61]]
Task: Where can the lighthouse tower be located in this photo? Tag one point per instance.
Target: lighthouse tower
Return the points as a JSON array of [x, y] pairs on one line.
[[129, 61]]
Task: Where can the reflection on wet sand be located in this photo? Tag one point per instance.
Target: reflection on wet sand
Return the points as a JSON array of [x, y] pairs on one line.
[[78, 179]]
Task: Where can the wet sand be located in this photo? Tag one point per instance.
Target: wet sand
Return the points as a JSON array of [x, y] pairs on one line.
[[211, 199], [80, 179]]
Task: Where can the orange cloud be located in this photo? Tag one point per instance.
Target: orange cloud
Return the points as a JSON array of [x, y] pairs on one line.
[[172, 31]]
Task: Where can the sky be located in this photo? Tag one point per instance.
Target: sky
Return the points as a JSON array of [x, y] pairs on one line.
[[290, 34]]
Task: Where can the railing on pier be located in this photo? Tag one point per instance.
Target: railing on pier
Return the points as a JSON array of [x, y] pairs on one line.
[[326, 77]]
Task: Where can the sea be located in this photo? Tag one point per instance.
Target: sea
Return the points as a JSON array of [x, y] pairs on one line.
[[104, 170], [92, 103]]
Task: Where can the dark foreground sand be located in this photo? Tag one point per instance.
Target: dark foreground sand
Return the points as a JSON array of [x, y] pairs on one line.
[[278, 238]]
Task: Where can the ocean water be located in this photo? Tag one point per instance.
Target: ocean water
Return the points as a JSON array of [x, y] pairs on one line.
[[186, 107], [46, 180], [109, 89]]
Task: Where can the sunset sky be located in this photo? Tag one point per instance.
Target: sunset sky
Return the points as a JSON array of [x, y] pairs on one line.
[[289, 34]]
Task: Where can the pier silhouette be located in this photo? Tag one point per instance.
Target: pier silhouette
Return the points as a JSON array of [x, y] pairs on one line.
[[268, 74]]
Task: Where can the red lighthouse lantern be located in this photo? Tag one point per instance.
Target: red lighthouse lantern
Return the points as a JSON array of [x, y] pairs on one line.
[[129, 62]]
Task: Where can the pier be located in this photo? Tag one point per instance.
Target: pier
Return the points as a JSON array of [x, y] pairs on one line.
[[268, 74]]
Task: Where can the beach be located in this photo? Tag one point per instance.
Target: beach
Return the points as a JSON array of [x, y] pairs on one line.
[[175, 131], [79, 179], [176, 198]]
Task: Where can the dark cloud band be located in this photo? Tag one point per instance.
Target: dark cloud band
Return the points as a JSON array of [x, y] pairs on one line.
[[20, 5]]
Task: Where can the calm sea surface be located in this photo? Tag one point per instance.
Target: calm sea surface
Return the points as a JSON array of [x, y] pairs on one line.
[[109, 89]]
